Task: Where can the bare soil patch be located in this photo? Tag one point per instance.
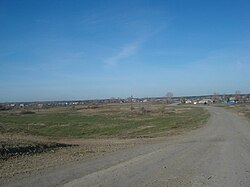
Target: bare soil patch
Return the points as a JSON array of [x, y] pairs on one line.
[[26, 155], [11, 149]]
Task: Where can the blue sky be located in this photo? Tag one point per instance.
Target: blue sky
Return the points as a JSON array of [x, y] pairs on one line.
[[60, 50]]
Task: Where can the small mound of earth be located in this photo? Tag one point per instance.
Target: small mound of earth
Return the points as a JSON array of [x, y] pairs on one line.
[[11, 149]]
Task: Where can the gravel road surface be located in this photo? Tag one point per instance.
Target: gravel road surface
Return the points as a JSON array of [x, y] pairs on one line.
[[217, 154]]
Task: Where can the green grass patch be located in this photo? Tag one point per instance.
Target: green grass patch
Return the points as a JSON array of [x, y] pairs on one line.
[[107, 121]]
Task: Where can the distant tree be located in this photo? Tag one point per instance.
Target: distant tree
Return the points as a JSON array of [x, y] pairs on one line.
[[224, 97], [169, 96], [2, 107], [183, 100], [216, 97], [237, 95]]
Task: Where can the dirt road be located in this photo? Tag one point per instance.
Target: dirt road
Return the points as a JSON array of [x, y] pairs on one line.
[[215, 155]]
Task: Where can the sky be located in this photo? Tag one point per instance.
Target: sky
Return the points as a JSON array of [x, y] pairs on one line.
[[93, 49]]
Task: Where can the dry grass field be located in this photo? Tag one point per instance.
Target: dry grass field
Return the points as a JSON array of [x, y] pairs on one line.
[[240, 109], [104, 121]]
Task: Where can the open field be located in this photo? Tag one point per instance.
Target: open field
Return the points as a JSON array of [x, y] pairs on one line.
[[48, 134], [117, 120]]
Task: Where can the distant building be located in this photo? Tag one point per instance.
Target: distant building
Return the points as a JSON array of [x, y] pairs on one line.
[[40, 105], [205, 101]]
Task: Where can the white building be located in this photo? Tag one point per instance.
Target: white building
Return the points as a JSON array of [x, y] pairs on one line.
[[206, 101]]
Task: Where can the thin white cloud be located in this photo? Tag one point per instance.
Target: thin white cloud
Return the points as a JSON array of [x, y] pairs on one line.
[[124, 53]]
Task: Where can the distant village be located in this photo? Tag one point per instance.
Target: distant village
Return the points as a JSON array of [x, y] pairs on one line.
[[195, 100]]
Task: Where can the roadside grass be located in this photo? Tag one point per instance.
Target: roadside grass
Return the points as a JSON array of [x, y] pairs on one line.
[[103, 121], [240, 109]]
